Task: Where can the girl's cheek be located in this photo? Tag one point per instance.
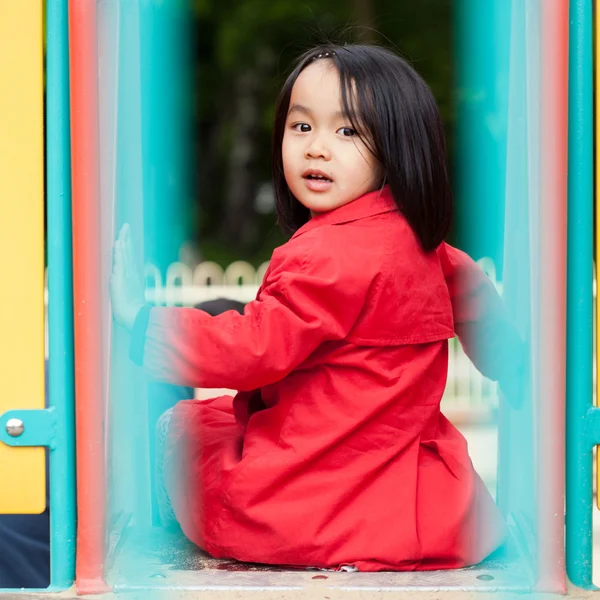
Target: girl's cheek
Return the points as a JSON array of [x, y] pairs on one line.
[[285, 152], [289, 153]]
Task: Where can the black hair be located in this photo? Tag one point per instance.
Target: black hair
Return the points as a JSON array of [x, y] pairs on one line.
[[394, 112]]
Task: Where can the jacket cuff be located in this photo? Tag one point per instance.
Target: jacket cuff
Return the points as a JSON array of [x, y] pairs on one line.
[[138, 335]]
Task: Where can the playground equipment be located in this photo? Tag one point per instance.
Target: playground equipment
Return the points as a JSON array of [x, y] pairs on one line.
[[583, 430], [22, 174], [22, 315], [99, 139]]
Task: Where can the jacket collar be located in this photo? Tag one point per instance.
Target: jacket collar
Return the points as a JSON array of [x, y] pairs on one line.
[[371, 204]]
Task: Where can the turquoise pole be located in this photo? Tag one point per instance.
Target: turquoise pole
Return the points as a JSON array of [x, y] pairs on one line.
[[60, 294], [579, 296], [482, 80]]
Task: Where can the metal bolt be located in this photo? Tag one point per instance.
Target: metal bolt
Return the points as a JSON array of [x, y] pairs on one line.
[[14, 427]]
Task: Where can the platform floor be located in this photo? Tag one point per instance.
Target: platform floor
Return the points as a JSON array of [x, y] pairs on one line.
[[153, 560]]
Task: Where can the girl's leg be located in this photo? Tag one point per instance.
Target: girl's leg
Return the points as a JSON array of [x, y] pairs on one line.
[[165, 509], [162, 399]]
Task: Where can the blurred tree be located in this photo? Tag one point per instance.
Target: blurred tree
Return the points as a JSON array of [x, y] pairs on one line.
[[364, 21]]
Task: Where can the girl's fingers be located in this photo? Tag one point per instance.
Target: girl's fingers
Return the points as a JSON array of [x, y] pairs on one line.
[[130, 254], [122, 248], [123, 258], [116, 260], [126, 252]]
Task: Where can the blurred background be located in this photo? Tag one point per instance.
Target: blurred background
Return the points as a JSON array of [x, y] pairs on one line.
[[238, 55]]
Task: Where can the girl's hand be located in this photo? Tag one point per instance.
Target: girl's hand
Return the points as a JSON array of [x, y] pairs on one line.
[[126, 289]]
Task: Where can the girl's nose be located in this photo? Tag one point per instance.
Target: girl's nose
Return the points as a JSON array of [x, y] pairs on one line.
[[317, 149]]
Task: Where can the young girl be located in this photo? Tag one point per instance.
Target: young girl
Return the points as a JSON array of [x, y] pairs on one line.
[[334, 453]]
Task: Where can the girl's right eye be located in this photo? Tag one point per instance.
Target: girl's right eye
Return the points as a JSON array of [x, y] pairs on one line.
[[302, 127]]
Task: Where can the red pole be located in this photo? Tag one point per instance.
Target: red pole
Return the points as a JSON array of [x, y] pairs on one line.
[[87, 297], [553, 252]]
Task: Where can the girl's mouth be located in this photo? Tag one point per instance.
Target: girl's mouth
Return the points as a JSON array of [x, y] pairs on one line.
[[316, 184], [317, 181]]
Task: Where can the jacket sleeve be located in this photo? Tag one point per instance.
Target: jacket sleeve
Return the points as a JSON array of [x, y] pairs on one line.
[[487, 335], [302, 304]]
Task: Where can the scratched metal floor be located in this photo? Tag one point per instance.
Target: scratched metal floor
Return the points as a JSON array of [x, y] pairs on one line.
[[154, 560]]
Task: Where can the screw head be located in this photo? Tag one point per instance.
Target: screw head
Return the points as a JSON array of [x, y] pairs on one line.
[[14, 427]]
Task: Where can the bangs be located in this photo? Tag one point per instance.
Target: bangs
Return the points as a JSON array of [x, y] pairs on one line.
[[358, 107]]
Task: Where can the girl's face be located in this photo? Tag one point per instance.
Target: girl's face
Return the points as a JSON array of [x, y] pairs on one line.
[[326, 164]]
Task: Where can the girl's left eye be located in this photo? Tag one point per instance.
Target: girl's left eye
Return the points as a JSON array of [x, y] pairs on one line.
[[302, 127], [347, 131]]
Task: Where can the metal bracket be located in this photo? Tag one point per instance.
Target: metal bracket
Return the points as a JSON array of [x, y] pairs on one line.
[[39, 428]]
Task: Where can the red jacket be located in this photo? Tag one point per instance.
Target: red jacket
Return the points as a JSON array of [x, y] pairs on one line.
[[334, 452]]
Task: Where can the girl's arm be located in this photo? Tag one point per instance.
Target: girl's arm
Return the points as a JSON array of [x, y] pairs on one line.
[[487, 335], [303, 303]]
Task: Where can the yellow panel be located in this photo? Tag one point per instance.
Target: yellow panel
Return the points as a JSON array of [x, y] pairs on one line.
[[597, 203], [22, 470]]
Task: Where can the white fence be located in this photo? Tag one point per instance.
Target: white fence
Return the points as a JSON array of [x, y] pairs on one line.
[[468, 395]]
